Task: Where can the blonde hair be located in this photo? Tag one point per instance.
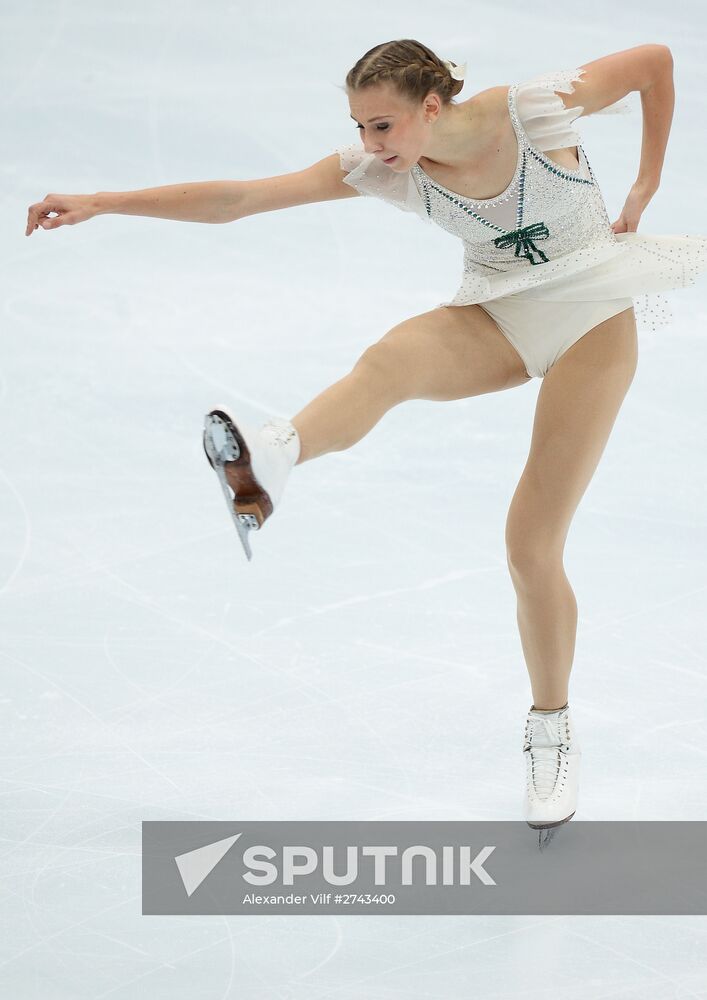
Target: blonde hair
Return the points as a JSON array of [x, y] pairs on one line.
[[410, 66]]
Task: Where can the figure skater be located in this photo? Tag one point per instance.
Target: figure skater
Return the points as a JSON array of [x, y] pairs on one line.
[[547, 292]]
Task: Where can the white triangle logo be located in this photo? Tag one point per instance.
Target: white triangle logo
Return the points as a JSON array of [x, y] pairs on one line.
[[194, 866]]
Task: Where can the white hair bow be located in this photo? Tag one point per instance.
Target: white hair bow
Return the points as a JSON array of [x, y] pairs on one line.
[[456, 72]]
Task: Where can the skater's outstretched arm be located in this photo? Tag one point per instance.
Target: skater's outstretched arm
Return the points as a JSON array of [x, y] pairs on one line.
[[202, 201]]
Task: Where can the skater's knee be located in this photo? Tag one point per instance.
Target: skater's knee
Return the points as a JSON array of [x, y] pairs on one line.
[[532, 558], [382, 363], [535, 536]]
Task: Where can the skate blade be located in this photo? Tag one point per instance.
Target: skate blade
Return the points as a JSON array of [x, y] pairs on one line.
[[220, 446], [545, 837]]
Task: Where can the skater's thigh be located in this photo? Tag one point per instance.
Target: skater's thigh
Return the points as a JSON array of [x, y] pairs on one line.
[[576, 410], [450, 352]]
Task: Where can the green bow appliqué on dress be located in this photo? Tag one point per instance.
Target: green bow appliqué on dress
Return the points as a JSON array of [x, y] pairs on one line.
[[523, 238]]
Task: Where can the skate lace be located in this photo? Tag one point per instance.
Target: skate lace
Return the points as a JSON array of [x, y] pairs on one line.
[[545, 761]]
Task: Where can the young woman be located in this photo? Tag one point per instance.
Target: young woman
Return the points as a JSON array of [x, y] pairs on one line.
[[546, 293]]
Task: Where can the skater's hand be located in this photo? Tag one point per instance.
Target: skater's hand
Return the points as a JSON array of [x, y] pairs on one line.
[[70, 209], [637, 200]]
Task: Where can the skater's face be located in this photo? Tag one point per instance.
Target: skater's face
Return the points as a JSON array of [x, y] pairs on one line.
[[392, 126]]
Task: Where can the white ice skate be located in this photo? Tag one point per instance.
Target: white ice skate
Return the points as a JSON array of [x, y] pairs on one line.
[[252, 466], [552, 756]]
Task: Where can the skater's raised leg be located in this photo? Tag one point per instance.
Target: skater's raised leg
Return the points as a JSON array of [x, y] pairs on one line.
[[445, 354], [451, 352]]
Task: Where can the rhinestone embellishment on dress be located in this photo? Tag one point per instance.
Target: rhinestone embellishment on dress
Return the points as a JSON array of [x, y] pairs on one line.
[[564, 210]]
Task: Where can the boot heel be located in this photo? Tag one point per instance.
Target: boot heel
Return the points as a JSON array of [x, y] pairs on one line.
[[249, 513]]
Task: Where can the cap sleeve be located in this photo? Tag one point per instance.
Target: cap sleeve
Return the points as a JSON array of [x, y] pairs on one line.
[[370, 176], [543, 115]]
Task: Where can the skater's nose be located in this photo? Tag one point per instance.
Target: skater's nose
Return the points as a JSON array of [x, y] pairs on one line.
[[371, 147]]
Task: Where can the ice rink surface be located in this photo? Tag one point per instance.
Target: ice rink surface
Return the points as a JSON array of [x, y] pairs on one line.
[[366, 664]]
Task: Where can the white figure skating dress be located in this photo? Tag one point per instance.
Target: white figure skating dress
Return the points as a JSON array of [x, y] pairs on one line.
[[541, 257]]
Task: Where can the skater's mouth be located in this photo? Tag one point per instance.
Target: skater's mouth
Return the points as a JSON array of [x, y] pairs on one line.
[[389, 160]]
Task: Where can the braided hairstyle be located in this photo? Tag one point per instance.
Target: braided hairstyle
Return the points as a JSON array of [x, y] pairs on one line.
[[410, 66]]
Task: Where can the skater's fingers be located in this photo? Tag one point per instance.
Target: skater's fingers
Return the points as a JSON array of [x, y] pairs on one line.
[[62, 219], [68, 209], [38, 215]]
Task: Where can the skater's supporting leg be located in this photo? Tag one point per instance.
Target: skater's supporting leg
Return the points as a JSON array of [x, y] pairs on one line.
[[447, 353], [576, 409]]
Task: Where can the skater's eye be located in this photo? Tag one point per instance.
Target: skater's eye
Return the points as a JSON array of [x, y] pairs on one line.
[[381, 128]]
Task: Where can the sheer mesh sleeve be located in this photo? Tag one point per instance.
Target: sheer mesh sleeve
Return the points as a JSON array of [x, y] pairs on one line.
[[546, 120], [370, 176]]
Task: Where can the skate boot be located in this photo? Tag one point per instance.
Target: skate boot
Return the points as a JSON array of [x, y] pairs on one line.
[[552, 756], [252, 466]]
